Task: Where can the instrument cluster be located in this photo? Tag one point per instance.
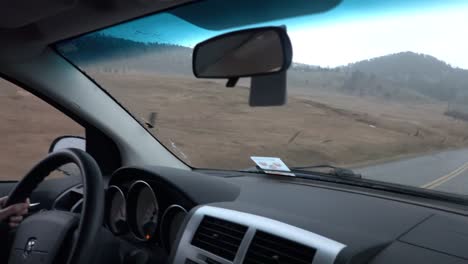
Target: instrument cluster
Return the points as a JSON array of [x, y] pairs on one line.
[[136, 212]]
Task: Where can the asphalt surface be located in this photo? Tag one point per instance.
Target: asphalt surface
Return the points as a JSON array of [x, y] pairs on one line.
[[445, 171]]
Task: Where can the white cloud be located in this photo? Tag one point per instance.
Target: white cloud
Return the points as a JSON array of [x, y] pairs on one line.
[[440, 33]]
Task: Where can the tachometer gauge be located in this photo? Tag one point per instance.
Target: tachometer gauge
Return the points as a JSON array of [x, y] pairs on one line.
[[143, 211], [116, 216]]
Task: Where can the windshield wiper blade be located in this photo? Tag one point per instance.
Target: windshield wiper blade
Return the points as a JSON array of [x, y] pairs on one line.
[[356, 179], [336, 171], [308, 170], [347, 176]]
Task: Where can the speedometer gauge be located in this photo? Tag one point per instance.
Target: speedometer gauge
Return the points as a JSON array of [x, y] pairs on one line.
[[116, 216], [143, 210]]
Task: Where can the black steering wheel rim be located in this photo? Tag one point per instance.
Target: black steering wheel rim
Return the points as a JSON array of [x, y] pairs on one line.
[[92, 212]]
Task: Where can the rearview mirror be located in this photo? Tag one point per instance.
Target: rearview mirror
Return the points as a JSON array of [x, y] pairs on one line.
[[244, 53]]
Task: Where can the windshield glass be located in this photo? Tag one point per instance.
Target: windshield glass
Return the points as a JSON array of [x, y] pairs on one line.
[[380, 87]]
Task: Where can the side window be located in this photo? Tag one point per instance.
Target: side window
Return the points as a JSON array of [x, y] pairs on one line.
[[28, 127]]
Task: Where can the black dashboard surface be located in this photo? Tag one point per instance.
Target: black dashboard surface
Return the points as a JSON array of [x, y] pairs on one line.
[[371, 227], [195, 188], [375, 226], [366, 224]]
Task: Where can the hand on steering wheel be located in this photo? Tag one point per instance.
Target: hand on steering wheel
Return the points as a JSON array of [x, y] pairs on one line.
[[57, 236], [14, 213]]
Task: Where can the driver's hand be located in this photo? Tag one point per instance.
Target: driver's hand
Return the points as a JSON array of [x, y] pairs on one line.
[[14, 213]]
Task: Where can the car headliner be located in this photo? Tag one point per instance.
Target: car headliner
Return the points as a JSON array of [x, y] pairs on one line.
[[28, 27]]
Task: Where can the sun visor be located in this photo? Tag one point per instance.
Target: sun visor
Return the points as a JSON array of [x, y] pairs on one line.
[[18, 13], [221, 14]]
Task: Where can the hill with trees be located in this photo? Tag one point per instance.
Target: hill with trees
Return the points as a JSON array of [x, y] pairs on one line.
[[100, 52], [421, 75], [404, 76]]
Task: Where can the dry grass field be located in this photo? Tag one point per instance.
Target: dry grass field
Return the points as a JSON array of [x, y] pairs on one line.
[[208, 125], [28, 127]]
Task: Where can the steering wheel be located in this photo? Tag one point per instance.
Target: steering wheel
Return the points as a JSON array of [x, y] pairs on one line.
[[48, 236]]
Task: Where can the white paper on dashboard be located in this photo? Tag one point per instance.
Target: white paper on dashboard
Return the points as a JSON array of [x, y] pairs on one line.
[[272, 165]]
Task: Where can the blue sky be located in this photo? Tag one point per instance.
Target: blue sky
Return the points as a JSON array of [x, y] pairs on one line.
[[355, 30]]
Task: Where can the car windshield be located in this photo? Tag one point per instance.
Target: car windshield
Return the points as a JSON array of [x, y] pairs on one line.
[[378, 86]]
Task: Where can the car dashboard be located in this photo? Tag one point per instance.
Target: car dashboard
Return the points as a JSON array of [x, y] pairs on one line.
[[143, 211], [178, 216]]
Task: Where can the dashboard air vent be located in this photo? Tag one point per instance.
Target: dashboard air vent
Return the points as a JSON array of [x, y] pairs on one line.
[[266, 248], [69, 200], [219, 237]]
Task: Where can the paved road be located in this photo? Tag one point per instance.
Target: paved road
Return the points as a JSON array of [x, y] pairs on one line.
[[444, 171]]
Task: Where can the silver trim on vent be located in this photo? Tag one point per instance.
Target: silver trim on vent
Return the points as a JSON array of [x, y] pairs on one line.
[[76, 188], [74, 209], [327, 249]]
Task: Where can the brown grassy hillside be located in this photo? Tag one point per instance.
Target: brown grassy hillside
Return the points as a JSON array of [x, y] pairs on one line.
[[209, 125], [28, 126]]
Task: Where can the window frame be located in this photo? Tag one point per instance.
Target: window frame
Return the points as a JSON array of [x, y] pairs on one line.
[[99, 145]]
